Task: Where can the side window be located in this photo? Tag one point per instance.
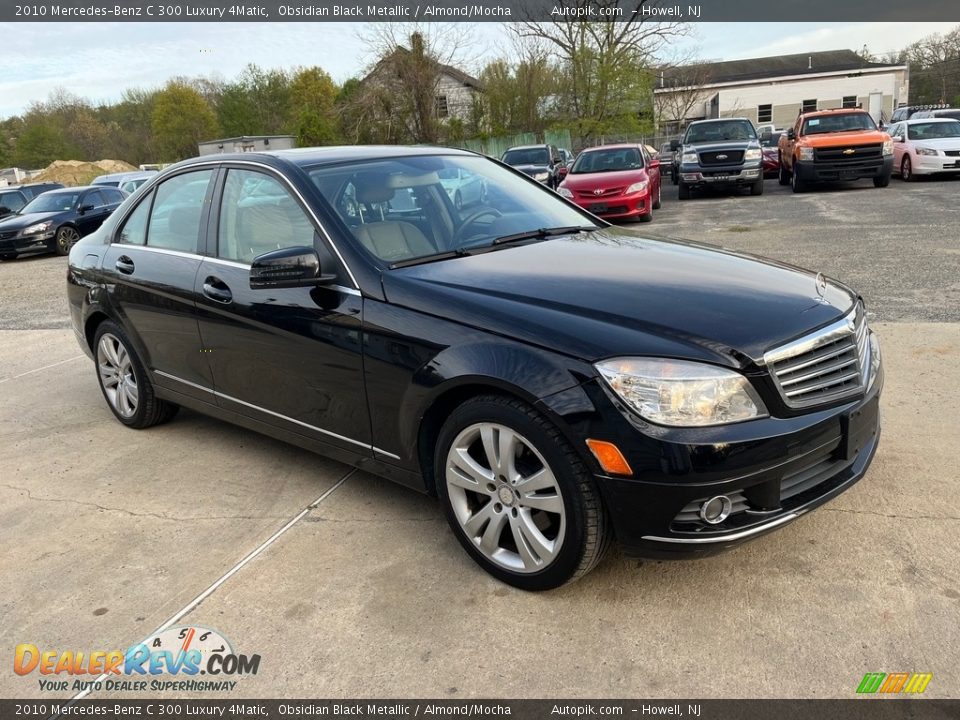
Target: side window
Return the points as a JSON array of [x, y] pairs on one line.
[[95, 199], [257, 215], [12, 201], [113, 197], [176, 213], [134, 230]]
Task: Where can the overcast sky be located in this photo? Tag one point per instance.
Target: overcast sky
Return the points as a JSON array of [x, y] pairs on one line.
[[99, 60]]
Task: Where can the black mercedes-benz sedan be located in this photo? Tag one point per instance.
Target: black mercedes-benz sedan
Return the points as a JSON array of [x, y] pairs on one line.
[[555, 381]]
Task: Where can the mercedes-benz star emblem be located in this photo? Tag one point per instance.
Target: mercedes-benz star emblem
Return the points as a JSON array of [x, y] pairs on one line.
[[821, 289]]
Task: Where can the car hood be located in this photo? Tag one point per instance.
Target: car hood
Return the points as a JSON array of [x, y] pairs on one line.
[[725, 145], [592, 181], [612, 293], [531, 169], [18, 222], [852, 137], [952, 143]]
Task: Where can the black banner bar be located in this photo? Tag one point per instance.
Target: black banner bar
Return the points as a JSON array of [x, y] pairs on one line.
[[477, 11], [863, 708]]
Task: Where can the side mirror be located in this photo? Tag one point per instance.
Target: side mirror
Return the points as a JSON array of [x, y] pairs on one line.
[[4, 211], [288, 268], [655, 163], [85, 208], [791, 134], [897, 138], [674, 145]]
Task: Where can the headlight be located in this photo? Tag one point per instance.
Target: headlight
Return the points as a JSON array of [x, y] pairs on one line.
[[689, 158], [753, 154], [806, 153], [681, 393], [38, 228], [564, 192], [874, 359], [541, 176], [888, 147], [637, 187], [926, 151]]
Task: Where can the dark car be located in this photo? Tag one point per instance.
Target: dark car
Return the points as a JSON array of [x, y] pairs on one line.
[[719, 153], [541, 162], [554, 380], [126, 181], [55, 220], [769, 144], [31, 190], [905, 112], [12, 198], [668, 164]]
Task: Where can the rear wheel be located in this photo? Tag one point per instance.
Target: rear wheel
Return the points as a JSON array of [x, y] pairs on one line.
[[518, 497], [66, 238], [683, 191], [757, 187], [906, 169], [124, 382]]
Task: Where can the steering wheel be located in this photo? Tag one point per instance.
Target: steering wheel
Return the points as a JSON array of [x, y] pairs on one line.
[[472, 218]]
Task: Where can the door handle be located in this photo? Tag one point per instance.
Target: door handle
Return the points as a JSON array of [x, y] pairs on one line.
[[125, 265], [217, 290]]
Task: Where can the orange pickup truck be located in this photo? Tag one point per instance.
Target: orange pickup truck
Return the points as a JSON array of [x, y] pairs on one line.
[[830, 145]]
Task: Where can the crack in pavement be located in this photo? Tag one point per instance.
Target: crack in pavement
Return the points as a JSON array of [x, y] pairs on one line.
[[895, 517], [124, 511]]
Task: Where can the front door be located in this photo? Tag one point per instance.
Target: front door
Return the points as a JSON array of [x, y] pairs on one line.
[[290, 358]]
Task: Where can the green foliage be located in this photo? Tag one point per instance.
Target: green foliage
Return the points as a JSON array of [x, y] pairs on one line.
[[313, 96], [40, 143], [180, 120]]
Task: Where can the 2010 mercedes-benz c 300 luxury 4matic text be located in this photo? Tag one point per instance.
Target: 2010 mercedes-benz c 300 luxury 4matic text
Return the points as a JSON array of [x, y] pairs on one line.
[[557, 382]]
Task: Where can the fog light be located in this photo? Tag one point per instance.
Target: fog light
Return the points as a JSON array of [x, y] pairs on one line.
[[716, 509]]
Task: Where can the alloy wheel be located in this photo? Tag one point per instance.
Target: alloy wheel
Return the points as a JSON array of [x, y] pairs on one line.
[[505, 497], [117, 375], [66, 237], [906, 169]]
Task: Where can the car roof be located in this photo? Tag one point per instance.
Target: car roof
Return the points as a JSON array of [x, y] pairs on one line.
[[126, 175], [65, 190], [612, 146], [332, 155], [538, 146], [726, 119], [834, 111], [926, 120]]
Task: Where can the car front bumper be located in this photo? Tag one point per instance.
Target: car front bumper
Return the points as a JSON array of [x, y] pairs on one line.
[[721, 175], [26, 243], [773, 473], [929, 164], [622, 206], [831, 172]]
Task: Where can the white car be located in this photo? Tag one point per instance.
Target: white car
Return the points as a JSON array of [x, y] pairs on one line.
[[925, 146]]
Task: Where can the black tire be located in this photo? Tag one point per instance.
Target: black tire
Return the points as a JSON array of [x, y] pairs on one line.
[[757, 187], [586, 534], [150, 410], [882, 181], [796, 183], [906, 169], [659, 203], [8, 256], [674, 178], [683, 191], [646, 218], [65, 239], [783, 175]]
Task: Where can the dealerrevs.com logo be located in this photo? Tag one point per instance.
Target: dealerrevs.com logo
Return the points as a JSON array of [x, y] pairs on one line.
[[894, 683], [178, 652]]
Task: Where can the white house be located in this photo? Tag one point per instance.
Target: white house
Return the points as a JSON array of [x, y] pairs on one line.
[[773, 90]]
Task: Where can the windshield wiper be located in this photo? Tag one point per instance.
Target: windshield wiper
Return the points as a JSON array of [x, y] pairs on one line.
[[543, 233], [432, 257]]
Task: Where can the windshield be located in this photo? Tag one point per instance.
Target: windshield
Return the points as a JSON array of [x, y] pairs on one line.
[[848, 122], [51, 202], [399, 209], [934, 130], [527, 156], [610, 160], [721, 131]]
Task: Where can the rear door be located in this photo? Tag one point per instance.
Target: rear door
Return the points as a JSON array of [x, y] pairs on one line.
[[290, 358], [150, 270]]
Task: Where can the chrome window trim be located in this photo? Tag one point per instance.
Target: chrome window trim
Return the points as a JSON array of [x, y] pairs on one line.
[[725, 538], [224, 396], [225, 165]]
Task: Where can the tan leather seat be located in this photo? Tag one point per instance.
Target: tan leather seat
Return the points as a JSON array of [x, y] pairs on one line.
[[394, 240], [262, 228]]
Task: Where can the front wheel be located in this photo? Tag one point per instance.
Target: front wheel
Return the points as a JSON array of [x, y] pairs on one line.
[[783, 177], [797, 184], [757, 187], [683, 191], [659, 201], [66, 238], [124, 382], [882, 181], [906, 169], [516, 494]]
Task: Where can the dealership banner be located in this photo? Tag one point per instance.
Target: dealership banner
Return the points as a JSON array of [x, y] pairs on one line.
[[477, 11], [860, 709]]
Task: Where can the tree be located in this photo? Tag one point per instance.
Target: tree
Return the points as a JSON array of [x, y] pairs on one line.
[[679, 91], [181, 119], [40, 143], [313, 96], [605, 64], [935, 67]]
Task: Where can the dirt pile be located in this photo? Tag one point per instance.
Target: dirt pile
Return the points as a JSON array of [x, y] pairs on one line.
[[76, 172]]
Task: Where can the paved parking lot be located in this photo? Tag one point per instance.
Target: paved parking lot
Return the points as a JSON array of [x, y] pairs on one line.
[[107, 533]]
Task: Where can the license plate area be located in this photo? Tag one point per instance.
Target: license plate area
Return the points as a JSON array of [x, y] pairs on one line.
[[858, 428], [598, 208]]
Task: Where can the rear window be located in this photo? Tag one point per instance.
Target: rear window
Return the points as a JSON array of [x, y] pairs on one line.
[[529, 156]]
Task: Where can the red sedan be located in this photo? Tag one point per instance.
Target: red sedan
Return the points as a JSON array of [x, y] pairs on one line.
[[615, 181]]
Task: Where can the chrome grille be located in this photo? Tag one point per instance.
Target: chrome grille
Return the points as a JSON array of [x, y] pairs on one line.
[[827, 365]]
